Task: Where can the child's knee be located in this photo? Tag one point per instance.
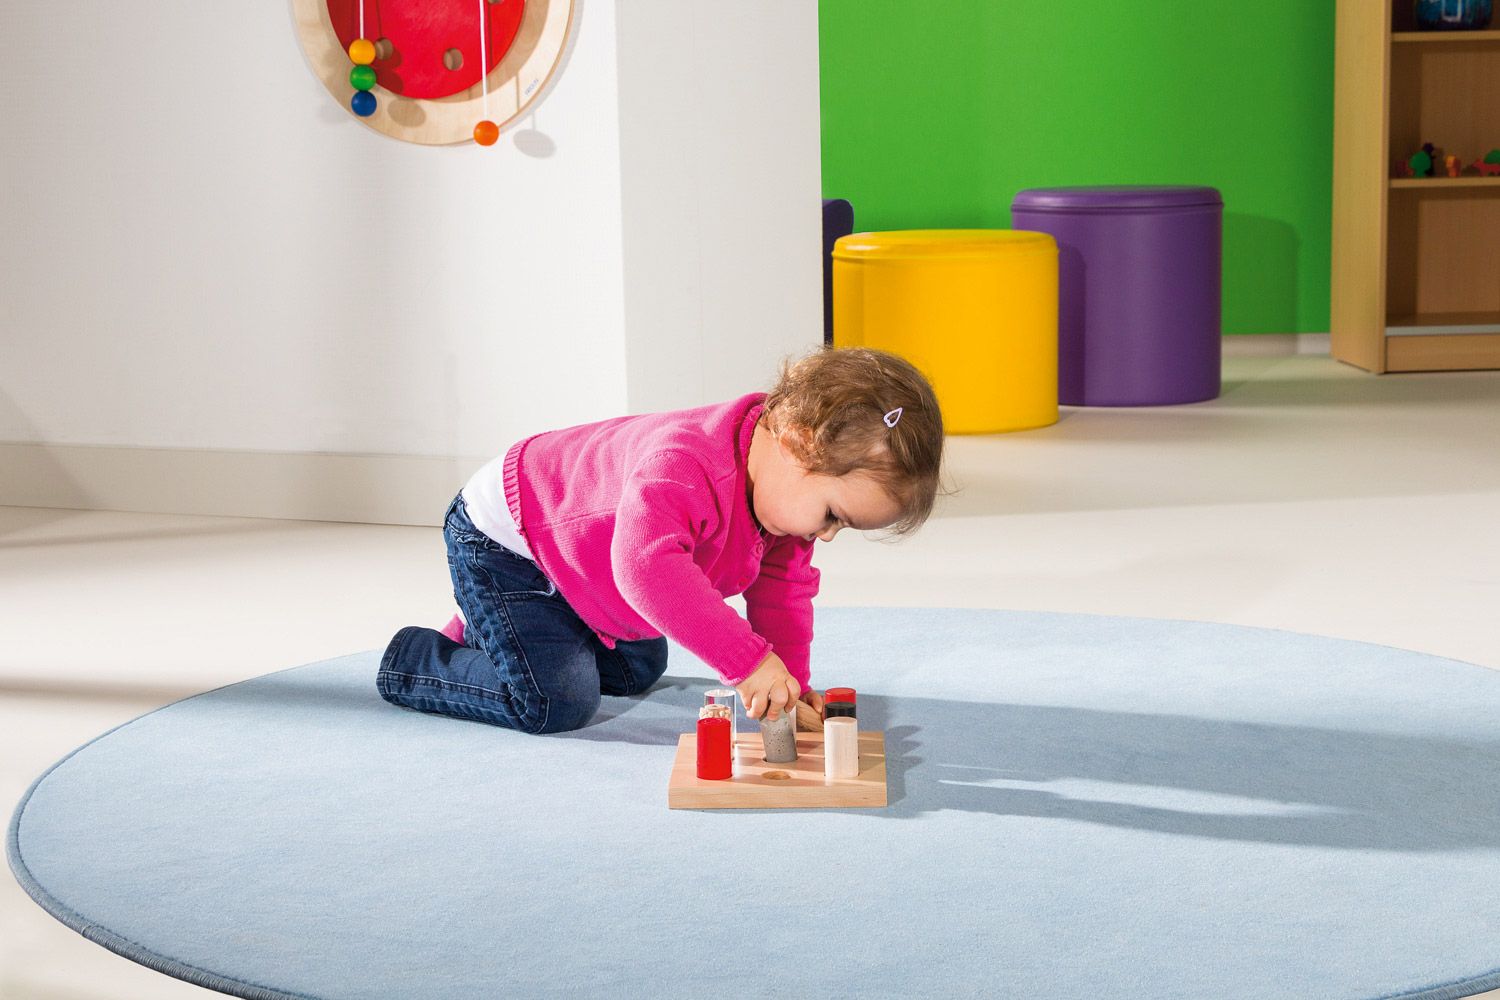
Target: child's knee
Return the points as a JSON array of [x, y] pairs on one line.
[[633, 669], [645, 679], [565, 713]]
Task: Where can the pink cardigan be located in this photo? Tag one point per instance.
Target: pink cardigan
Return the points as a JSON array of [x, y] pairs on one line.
[[644, 524]]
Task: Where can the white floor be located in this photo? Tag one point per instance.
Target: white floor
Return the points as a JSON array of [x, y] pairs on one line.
[[1310, 496]]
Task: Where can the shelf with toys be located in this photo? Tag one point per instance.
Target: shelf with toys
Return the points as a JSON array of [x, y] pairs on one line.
[[1416, 190]]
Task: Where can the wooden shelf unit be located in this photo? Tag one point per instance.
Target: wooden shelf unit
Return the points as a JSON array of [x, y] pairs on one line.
[[1416, 261]]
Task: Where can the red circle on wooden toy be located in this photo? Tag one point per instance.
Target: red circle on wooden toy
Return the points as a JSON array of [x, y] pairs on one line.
[[421, 32], [839, 694]]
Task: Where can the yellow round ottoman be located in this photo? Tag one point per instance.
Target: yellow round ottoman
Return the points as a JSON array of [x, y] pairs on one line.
[[974, 309]]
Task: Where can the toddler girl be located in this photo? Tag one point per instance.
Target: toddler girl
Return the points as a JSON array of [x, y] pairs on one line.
[[575, 552]]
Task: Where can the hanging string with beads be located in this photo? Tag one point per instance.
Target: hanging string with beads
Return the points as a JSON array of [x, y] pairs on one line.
[[486, 132], [484, 61], [362, 76]]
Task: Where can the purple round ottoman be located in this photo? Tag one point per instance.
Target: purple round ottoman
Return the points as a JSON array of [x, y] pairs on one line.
[[1138, 290]]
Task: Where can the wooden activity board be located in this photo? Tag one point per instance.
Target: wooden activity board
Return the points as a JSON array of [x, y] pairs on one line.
[[798, 785]]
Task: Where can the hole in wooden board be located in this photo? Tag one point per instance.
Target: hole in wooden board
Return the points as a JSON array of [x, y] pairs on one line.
[[453, 59], [776, 776], [384, 49]]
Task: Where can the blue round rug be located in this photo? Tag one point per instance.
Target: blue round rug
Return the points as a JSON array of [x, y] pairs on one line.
[[1080, 806]]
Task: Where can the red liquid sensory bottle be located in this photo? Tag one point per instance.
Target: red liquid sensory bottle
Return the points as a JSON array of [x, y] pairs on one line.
[[715, 759]]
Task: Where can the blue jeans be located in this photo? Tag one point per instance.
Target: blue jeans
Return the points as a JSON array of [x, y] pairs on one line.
[[527, 662]]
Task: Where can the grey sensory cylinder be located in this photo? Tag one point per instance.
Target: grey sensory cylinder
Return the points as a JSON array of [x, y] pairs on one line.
[[779, 737]]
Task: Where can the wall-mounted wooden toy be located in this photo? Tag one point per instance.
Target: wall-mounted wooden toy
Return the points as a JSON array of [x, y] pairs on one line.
[[1490, 165], [435, 71]]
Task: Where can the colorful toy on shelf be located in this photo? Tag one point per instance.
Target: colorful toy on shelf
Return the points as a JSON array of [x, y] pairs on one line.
[[1453, 15], [1454, 164], [1422, 160], [1490, 165]]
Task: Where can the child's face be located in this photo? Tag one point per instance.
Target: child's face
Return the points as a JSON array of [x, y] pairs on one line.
[[789, 500]]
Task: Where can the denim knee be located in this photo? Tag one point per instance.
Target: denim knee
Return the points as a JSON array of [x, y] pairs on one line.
[[566, 712], [632, 667], [658, 669]]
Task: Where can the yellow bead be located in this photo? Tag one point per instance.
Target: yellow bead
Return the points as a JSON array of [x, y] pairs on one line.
[[362, 51]]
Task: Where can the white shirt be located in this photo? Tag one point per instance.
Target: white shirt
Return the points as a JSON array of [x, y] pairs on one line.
[[484, 499]]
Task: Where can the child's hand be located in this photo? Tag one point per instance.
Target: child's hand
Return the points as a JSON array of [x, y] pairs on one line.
[[770, 690]]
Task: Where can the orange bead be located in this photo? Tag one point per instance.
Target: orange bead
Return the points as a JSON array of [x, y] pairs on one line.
[[486, 132], [361, 52]]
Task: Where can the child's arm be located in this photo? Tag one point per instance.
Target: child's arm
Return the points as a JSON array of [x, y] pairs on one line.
[[779, 603], [666, 505]]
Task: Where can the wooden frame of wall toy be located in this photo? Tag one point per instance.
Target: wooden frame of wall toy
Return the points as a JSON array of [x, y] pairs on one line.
[[411, 68]]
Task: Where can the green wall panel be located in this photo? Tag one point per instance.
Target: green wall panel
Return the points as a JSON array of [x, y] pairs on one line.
[[937, 113]]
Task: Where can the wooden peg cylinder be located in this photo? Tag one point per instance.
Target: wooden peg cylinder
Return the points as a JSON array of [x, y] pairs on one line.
[[808, 719]]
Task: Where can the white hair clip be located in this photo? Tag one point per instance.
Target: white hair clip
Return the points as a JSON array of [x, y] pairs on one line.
[[894, 417]]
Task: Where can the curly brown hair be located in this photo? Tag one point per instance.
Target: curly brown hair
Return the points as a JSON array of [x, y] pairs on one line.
[[829, 409]]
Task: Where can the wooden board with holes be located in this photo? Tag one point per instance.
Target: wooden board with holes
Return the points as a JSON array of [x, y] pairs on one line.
[[758, 785]]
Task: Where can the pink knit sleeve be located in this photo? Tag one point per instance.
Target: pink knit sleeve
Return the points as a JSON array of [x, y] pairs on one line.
[[779, 603], [666, 504]]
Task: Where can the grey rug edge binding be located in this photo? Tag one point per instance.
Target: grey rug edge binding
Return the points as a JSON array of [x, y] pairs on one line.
[[124, 947]]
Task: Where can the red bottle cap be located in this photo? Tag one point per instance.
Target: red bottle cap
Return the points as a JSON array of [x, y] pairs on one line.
[[839, 694]]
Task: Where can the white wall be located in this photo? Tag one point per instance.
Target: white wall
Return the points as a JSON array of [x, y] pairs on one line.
[[722, 179], [203, 255]]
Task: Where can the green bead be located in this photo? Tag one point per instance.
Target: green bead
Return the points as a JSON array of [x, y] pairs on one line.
[[362, 77]]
